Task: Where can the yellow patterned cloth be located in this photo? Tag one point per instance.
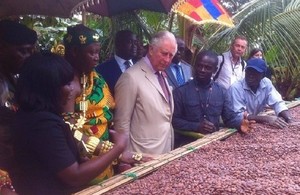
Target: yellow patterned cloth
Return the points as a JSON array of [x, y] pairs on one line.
[[99, 113]]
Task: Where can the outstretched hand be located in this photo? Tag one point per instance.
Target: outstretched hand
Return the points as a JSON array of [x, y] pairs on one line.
[[294, 123], [127, 157], [126, 161], [276, 121], [246, 124]]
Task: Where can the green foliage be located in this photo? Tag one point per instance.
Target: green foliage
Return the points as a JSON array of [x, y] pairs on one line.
[[50, 29], [274, 26], [142, 23]]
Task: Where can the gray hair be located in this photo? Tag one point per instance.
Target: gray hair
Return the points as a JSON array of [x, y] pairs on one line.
[[162, 35]]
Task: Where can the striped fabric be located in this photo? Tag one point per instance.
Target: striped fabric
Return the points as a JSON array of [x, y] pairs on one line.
[[204, 11]]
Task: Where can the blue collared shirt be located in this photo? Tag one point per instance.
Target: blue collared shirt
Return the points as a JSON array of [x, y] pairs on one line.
[[173, 68], [244, 99], [193, 103]]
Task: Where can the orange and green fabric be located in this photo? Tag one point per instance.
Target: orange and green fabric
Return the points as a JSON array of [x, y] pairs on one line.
[[204, 11], [99, 113]]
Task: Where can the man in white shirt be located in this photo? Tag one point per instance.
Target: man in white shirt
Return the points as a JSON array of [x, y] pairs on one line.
[[231, 66]]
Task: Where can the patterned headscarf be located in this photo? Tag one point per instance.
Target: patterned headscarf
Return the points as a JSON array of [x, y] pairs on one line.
[[80, 35]]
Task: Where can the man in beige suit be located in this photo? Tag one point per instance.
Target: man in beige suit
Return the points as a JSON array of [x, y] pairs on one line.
[[143, 109]]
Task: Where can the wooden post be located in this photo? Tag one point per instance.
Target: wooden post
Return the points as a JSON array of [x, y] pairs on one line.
[[83, 17]]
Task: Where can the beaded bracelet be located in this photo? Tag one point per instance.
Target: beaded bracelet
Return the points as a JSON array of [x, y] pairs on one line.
[[137, 156], [69, 115], [5, 181], [92, 143], [106, 146], [8, 186]]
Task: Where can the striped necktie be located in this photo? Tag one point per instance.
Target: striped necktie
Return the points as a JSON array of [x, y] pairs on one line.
[[179, 76], [127, 64]]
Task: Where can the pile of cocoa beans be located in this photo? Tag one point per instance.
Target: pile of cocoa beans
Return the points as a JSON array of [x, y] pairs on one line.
[[264, 161]]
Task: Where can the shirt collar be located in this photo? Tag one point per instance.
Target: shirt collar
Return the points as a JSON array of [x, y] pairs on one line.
[[230, 57], [121, 61], [210, 84], [262, 85], [146, 59], [174, 64]]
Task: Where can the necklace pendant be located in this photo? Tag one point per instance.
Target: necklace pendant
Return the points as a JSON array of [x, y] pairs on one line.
[[83, 79], [78, 135], [83, 105]]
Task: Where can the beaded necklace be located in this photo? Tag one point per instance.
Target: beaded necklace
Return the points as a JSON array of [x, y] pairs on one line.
[[88, 145], [83, 104], [204, 105]]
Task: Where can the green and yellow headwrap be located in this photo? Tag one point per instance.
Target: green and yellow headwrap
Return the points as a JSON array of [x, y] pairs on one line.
[[80, 35]]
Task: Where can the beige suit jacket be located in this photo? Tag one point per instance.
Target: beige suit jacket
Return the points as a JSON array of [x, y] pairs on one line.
[[143, 112]]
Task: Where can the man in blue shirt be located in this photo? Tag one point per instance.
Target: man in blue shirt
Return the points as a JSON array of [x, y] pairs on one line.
[[254, 92], [179, 71], [199, 103]]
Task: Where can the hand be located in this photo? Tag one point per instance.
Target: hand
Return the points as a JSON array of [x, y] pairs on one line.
[[72, 90], [294, 123], [277, 122], [206, 127], [127, 158], [246, 124], [119, 139]]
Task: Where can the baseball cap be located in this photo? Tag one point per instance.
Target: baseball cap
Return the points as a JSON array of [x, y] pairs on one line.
[[258, 64]]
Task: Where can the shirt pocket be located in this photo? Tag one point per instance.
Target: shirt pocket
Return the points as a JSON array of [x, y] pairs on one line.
[[215, 108], [193, 110]]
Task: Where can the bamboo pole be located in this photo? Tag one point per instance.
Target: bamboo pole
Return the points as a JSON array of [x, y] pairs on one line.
[[146, 168], [149, 167]]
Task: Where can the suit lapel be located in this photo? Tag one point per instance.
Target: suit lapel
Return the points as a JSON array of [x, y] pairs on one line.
[[116, 67], [152, 78], [171, 76], [187, 72]]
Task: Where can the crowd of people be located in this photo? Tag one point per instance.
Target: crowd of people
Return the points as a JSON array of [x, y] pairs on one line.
[[70, 122]]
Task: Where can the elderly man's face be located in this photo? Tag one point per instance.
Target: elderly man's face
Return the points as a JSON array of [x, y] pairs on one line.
[[161, 55]]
